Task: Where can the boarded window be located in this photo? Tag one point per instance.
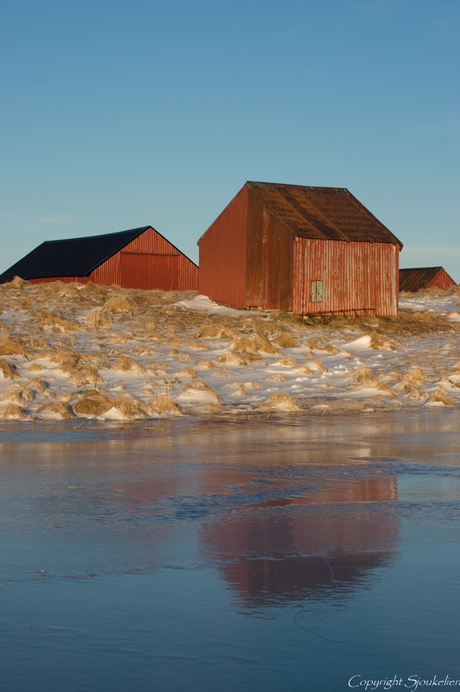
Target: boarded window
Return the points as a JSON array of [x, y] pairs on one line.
[[318, 291]]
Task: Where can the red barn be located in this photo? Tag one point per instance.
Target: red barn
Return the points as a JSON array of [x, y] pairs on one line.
[[413, 280], [139, 258], [307, 250]]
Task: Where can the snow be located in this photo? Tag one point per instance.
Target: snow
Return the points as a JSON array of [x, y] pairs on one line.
[[204, 303], [353, 366]]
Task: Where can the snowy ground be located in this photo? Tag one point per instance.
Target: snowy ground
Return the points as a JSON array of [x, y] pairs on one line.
[[90, 351]]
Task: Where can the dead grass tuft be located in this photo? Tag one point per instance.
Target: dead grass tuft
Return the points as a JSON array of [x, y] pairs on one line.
[[188, 372], [13, 411], [361, 376], [215, 331], [98, 318], [285, 340], [8, 370], [414, 376], [164, 405], [281, 401], [10, 347], [55, 322], [243, 345], [205, 365], [119, 303], [94, 404], [380, 343], [279, 377], [126, 363], [56, 409], [439, 396], [130, 407]]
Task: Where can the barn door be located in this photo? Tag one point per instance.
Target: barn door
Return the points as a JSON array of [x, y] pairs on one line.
[[148, 271], [134, 268], [164, 272]]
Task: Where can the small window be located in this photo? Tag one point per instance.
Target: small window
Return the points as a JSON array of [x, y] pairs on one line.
[[318, 291]]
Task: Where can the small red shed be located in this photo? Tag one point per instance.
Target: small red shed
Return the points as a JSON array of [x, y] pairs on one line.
[[412, 280], [307, 250], [139, 258]]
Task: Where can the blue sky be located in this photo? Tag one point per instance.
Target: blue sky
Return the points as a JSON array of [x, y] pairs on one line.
[[117, 115]]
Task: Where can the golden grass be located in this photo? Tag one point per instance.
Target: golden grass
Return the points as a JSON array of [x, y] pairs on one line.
[[281, 401], [215, 331], [289, 363], [361, 376], [318, 365], [122, 302], [243, 345], [380, 343], [205, 365], [131, 407], [56, 408], [126, 363], [188, 372], [304, 370], [439, 395], [8, 370], [93, 404], [10, 347], [285, 340], [13, 412], [162, 404], [279, 377]]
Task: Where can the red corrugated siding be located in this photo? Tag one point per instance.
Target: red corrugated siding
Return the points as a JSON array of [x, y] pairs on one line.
[[442, 280], [152, 243], [357, 276], [269, 259], [223, 255]]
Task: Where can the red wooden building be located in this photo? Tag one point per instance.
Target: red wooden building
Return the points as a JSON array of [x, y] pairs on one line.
[[139, 258], [413, 280], [307, 250]]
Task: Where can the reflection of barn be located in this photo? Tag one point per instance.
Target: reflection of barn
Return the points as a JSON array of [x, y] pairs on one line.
[[413, 280], [139, 258], [271, 557], [306, 250]]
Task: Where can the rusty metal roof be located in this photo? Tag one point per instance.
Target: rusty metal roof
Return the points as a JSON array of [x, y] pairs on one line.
[[327, 213], [416, 279]]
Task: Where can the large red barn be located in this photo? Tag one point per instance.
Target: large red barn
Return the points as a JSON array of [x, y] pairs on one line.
[[307, 250], [412, 280], [139, 258]]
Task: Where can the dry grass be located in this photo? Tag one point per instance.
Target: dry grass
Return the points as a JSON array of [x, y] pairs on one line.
[[55, 322], [304, 370], [318, 365], [285, 340], [131, 407], [215, 331], [205, 365], [98, 318], [125, 364], [281, 401], [123, 302], [361, 376], [245, 345], [10, 347], [279, 377], [93, 403], [13, 411], [8, 370], [439, 396], [56, 409], [188, 372], [414, 376], [380, 343], [162, 404]]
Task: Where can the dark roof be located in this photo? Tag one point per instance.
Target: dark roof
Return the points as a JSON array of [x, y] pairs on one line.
[[72, 257], [416, 279], [328, 213]]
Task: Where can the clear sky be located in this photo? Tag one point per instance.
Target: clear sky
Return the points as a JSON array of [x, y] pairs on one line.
[[116, 115]]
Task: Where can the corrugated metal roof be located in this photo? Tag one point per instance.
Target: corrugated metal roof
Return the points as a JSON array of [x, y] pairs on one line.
[[416, 279], [325, 213], [71, 257]]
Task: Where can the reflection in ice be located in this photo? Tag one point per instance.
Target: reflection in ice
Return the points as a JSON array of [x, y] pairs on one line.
[[278, 554]]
